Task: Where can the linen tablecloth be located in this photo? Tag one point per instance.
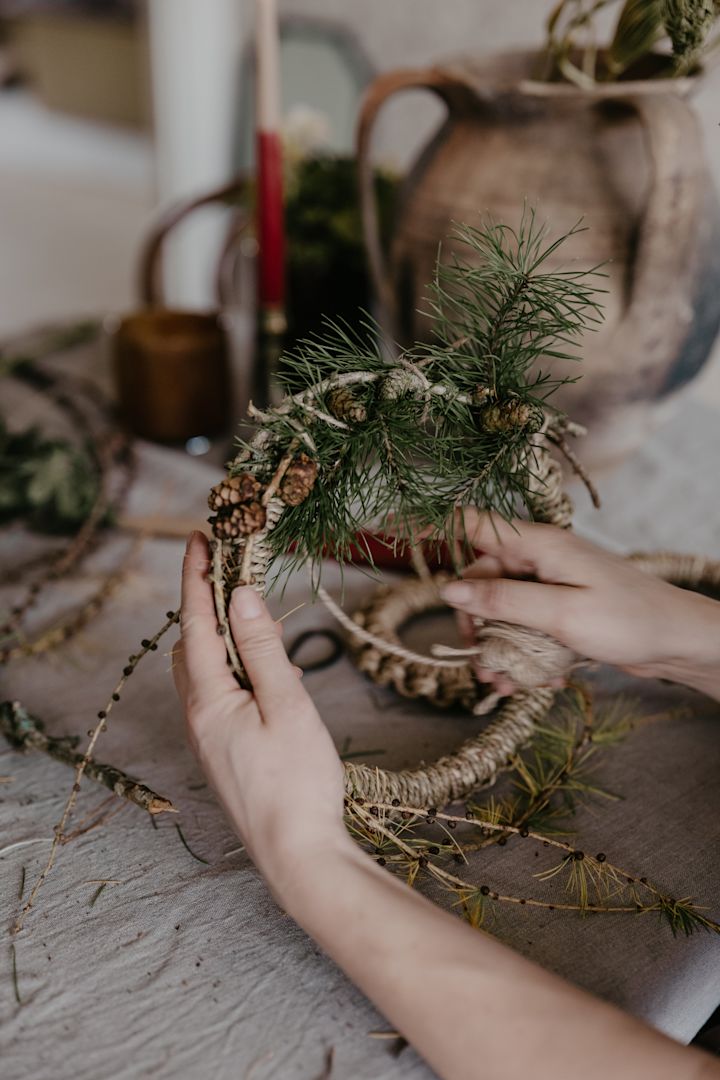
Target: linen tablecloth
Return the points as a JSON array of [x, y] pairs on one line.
[[185, 969]]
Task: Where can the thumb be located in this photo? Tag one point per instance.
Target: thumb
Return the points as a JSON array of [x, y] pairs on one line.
[[273, 678]]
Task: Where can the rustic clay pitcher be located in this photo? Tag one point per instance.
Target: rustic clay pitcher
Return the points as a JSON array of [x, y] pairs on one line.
[[628, 158]]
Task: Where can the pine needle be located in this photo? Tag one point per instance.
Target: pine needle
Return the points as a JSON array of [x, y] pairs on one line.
[[501, 318], [13, 961], [188, 848]]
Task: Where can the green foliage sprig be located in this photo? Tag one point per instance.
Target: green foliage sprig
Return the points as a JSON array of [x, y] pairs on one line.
[[327, 264], [49, 483], [448, 424], [573, 53]]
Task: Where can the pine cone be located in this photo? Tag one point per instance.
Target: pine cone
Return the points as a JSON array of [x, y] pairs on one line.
[[233, 490], [505, 417], [243, 520], [344, 405], [298, 481]]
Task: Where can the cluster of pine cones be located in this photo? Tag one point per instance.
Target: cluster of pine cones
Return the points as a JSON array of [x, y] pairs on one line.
[[237, 505]]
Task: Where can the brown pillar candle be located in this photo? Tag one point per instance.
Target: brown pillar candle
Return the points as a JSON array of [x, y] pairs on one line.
[[172, 374]]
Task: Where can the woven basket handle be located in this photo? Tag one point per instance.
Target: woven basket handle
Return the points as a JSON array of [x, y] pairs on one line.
[[150, 267], [444, 85]]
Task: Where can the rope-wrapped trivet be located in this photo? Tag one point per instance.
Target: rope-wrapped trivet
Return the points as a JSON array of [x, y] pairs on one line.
[[249, 504]]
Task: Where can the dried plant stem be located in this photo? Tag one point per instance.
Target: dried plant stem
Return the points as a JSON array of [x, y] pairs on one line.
[[615, 876], [96, 894], [16, 986], [576, 465], [82, 766], [198, 858], [245, 577], [25, 732], [67, 628], [221, 611], [103, 818], [455, 883], [108, 446], [283, 466]]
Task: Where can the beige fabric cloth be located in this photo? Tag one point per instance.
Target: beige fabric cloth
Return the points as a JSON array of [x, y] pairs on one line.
[[188, 970]]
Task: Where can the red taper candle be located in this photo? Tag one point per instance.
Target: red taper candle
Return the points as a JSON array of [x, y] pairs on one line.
[[270, 217]]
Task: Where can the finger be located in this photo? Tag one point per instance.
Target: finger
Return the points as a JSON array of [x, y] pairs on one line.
[[526, 603], [466, 629], [273, 678], [179, 672], [484, 567], [203, 649], [485, 675], [495, 681], [526, 548]]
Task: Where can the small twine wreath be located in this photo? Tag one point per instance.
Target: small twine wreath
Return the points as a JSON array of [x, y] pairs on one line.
[[248, 508]]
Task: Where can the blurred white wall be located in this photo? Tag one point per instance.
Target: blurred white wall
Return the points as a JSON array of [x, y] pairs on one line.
[[195, 48]]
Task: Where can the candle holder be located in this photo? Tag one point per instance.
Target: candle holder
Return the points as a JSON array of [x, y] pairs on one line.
[[172, 374], [172, 367]]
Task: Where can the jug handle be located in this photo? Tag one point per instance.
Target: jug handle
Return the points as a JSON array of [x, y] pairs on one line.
[[657, 315], [150, 263], [382, 88]]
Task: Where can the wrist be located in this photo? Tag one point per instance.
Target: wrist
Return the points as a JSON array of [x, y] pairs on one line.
[[695, 661], [297, 872]]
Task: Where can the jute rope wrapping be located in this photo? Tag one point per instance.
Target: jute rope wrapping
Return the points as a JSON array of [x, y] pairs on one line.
[[529, 659], [385, 614], [246, 560]]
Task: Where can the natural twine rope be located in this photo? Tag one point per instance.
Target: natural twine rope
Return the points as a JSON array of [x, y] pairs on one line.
[[529, 658], [480, 758]]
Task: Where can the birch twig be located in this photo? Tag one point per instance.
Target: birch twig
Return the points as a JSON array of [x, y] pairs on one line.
[[25, 732]]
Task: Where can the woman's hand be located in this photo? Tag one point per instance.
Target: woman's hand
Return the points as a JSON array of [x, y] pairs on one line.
[[596, 603], [267, 754], [273, 764]]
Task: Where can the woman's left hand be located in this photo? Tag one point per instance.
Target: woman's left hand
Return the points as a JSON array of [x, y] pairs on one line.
[[267, 754]]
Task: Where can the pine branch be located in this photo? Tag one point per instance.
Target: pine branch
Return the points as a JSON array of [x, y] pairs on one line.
[[451, 422]]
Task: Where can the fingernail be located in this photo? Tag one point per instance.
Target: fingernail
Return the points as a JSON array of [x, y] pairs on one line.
[[246, 602], [192, 538], [457, 592]]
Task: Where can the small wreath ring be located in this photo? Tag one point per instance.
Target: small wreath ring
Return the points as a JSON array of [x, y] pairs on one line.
[[274, 472], [481, 757]]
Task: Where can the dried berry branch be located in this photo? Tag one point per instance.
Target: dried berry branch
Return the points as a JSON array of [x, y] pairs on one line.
[[65, 629], [549, 777], [110, 451], [26, 732], [607, 880], [146, 646]]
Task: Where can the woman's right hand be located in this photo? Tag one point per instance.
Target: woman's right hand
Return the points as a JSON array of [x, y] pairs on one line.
[[598, 604]]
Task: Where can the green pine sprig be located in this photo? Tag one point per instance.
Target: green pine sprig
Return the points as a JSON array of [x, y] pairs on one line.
[[508, 323]]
